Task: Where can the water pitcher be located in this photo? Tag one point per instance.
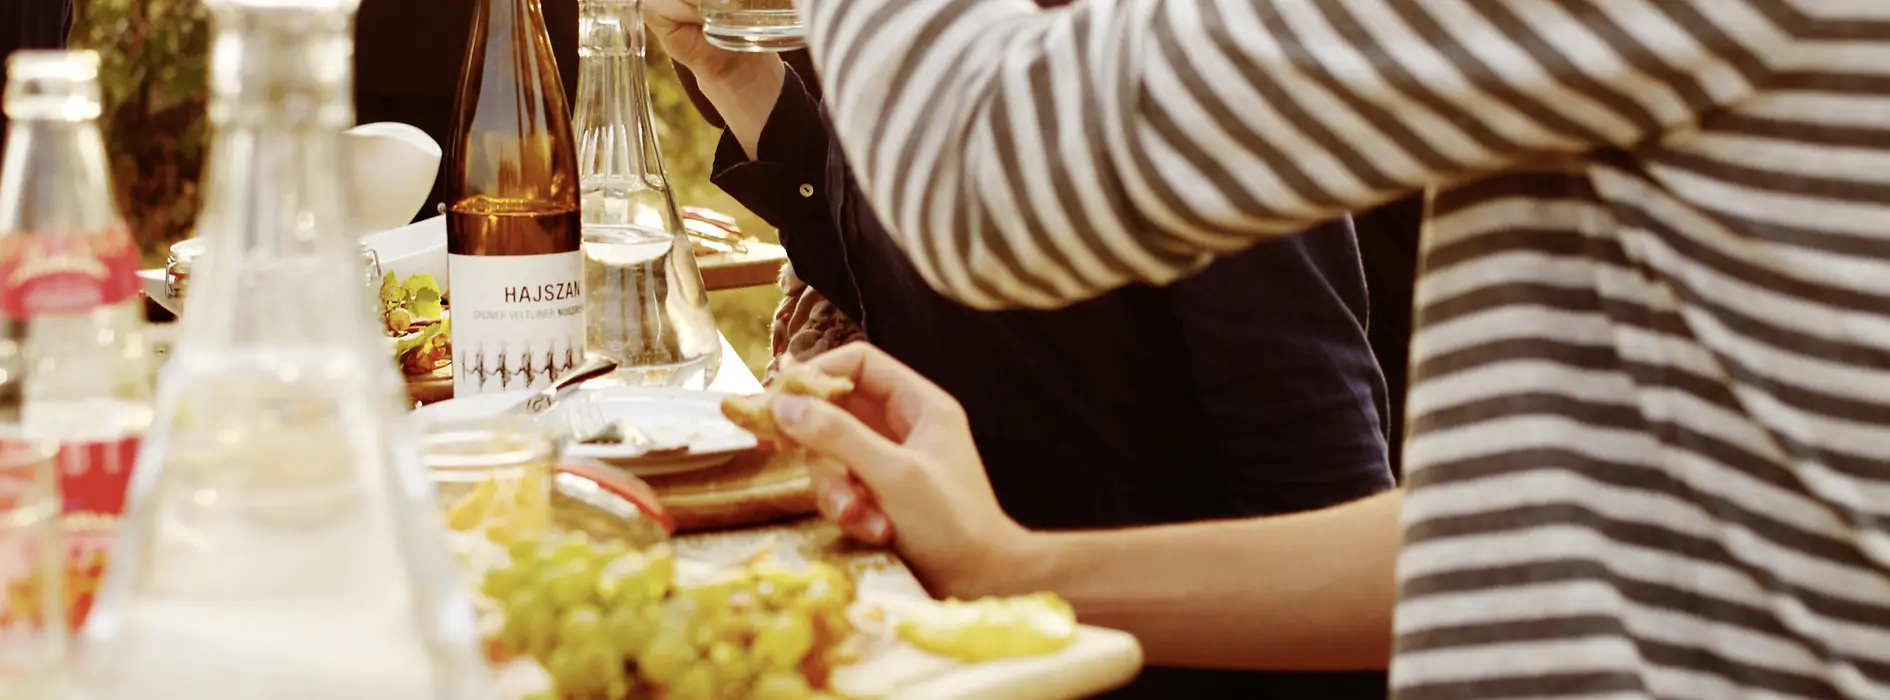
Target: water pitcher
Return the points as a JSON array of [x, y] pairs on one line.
[[647, 308]]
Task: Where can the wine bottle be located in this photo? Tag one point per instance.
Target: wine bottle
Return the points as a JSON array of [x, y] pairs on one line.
[[512, 223]]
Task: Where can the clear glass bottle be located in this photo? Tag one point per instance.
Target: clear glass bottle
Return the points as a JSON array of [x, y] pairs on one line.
[[648, 309], [512, 261], [69, 302], [283, 541]]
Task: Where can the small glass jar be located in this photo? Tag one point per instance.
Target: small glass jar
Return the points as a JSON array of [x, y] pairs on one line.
[[33, 600], [185, 255], [494, 477]]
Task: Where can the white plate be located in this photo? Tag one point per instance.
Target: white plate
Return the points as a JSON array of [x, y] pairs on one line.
[[154, 288], [684, 414]]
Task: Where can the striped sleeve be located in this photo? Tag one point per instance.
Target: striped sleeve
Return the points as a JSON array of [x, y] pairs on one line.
[[1028, 157]]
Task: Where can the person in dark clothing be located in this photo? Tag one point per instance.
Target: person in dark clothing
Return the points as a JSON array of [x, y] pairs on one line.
[[1248, 389], [1388, 246]]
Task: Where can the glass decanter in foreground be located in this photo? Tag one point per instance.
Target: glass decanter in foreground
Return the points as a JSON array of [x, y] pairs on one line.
[[647, 309], [282, 540]]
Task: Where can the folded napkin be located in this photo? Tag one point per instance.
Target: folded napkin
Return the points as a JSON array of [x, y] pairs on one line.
[[806, 324]]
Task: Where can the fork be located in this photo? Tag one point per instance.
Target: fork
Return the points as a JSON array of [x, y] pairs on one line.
[[589, 422], [585, 422], [628, 432]]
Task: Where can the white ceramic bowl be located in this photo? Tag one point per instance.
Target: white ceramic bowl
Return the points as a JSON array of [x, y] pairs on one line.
[[392, 167]]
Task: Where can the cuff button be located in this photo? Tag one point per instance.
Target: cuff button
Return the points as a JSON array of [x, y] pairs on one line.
[[807, 190]]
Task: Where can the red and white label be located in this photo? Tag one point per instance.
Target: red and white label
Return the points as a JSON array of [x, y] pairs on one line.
[[21, 486], [43, 275], [93, 476]]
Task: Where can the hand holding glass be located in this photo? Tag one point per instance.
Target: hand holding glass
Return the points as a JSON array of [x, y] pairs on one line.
[[753, 26]]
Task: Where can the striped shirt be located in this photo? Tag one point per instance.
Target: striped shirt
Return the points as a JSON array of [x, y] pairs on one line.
[[1649, 444]]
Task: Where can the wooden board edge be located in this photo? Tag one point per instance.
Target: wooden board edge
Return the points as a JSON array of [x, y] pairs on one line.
[[1099, 660]]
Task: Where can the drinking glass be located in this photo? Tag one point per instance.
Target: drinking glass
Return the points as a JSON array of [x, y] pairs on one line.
[[32, 568], [753, 25], [494, 479]]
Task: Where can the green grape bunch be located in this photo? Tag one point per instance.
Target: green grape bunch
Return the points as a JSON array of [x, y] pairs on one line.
[[607, 622], [414, 313]]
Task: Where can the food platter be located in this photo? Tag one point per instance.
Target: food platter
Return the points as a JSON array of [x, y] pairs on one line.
[[878, 656]]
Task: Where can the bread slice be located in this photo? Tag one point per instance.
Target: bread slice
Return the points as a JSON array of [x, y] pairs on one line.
[[755, 412]]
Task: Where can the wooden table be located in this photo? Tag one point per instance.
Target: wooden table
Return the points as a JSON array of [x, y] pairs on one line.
[[759, 266]]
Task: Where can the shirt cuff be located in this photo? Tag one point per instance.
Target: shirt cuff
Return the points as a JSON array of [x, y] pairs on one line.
[[783, 184]]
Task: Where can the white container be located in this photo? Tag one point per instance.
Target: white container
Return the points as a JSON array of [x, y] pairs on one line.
[[391, 169], [413, 249]]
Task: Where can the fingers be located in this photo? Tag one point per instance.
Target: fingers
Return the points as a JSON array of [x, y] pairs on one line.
[[840, 498], [874, 528], [846, 502], [872, 412], [908, 397], [836, 434], [674, 11]]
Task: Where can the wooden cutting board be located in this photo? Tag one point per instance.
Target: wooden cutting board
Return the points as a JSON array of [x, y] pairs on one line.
[[758, 487], [1097, 661], [759, 265]]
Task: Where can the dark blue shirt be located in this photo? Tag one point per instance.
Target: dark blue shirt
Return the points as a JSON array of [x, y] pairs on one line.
[[1248, 389]]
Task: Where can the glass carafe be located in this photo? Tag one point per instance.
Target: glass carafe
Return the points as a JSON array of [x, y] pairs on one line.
[[647, 308], [282, 541]]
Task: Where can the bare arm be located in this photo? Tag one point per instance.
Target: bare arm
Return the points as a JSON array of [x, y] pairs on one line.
[[1306, 592], [1309, 591]]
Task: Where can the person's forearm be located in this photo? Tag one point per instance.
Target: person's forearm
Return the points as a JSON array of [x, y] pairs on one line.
[[1305, 592], [1133, 170], [745, 96]]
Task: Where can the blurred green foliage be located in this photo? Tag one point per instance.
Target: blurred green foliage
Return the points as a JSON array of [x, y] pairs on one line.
[[152, 68], [153, 56]]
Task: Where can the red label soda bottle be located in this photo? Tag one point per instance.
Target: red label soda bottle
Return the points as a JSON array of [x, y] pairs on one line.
[[73, 352]]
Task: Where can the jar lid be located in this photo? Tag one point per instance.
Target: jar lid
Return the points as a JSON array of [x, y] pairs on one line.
[[187, 251]]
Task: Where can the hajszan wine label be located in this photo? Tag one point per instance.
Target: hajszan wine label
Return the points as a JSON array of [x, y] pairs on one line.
[[518, 320]]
